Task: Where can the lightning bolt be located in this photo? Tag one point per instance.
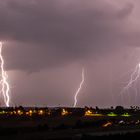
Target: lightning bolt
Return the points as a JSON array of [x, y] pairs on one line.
[[79, 88], [4, 83], [133, 80]]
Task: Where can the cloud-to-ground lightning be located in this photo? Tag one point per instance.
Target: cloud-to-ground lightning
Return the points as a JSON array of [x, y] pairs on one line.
[[133, 80], [79, 88], [5, 88]]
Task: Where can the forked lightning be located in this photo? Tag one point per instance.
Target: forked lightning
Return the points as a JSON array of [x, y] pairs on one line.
[[79, 88], [133, 80], [5, 88]]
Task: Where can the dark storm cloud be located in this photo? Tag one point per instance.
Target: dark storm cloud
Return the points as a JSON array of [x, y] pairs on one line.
[[46, 33], [126, 11]]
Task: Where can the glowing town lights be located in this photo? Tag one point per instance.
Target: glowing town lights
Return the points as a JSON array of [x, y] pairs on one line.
[[4, 83], [41, 112], [89, 113], [107, 124], [30, 113], [19, 112], [111, 114], [79, 88], [64, 112], [125, 115], [2, 112], [49, 112]]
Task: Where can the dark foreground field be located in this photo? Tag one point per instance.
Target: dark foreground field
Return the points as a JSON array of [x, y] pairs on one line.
[[63, 128], [60, 123]]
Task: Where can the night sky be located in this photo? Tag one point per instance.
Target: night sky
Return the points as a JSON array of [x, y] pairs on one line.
[[47, 42]]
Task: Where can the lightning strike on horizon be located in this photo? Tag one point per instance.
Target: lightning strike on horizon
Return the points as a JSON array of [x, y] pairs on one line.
[[133, 80], [4, 83], [79, 88]]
